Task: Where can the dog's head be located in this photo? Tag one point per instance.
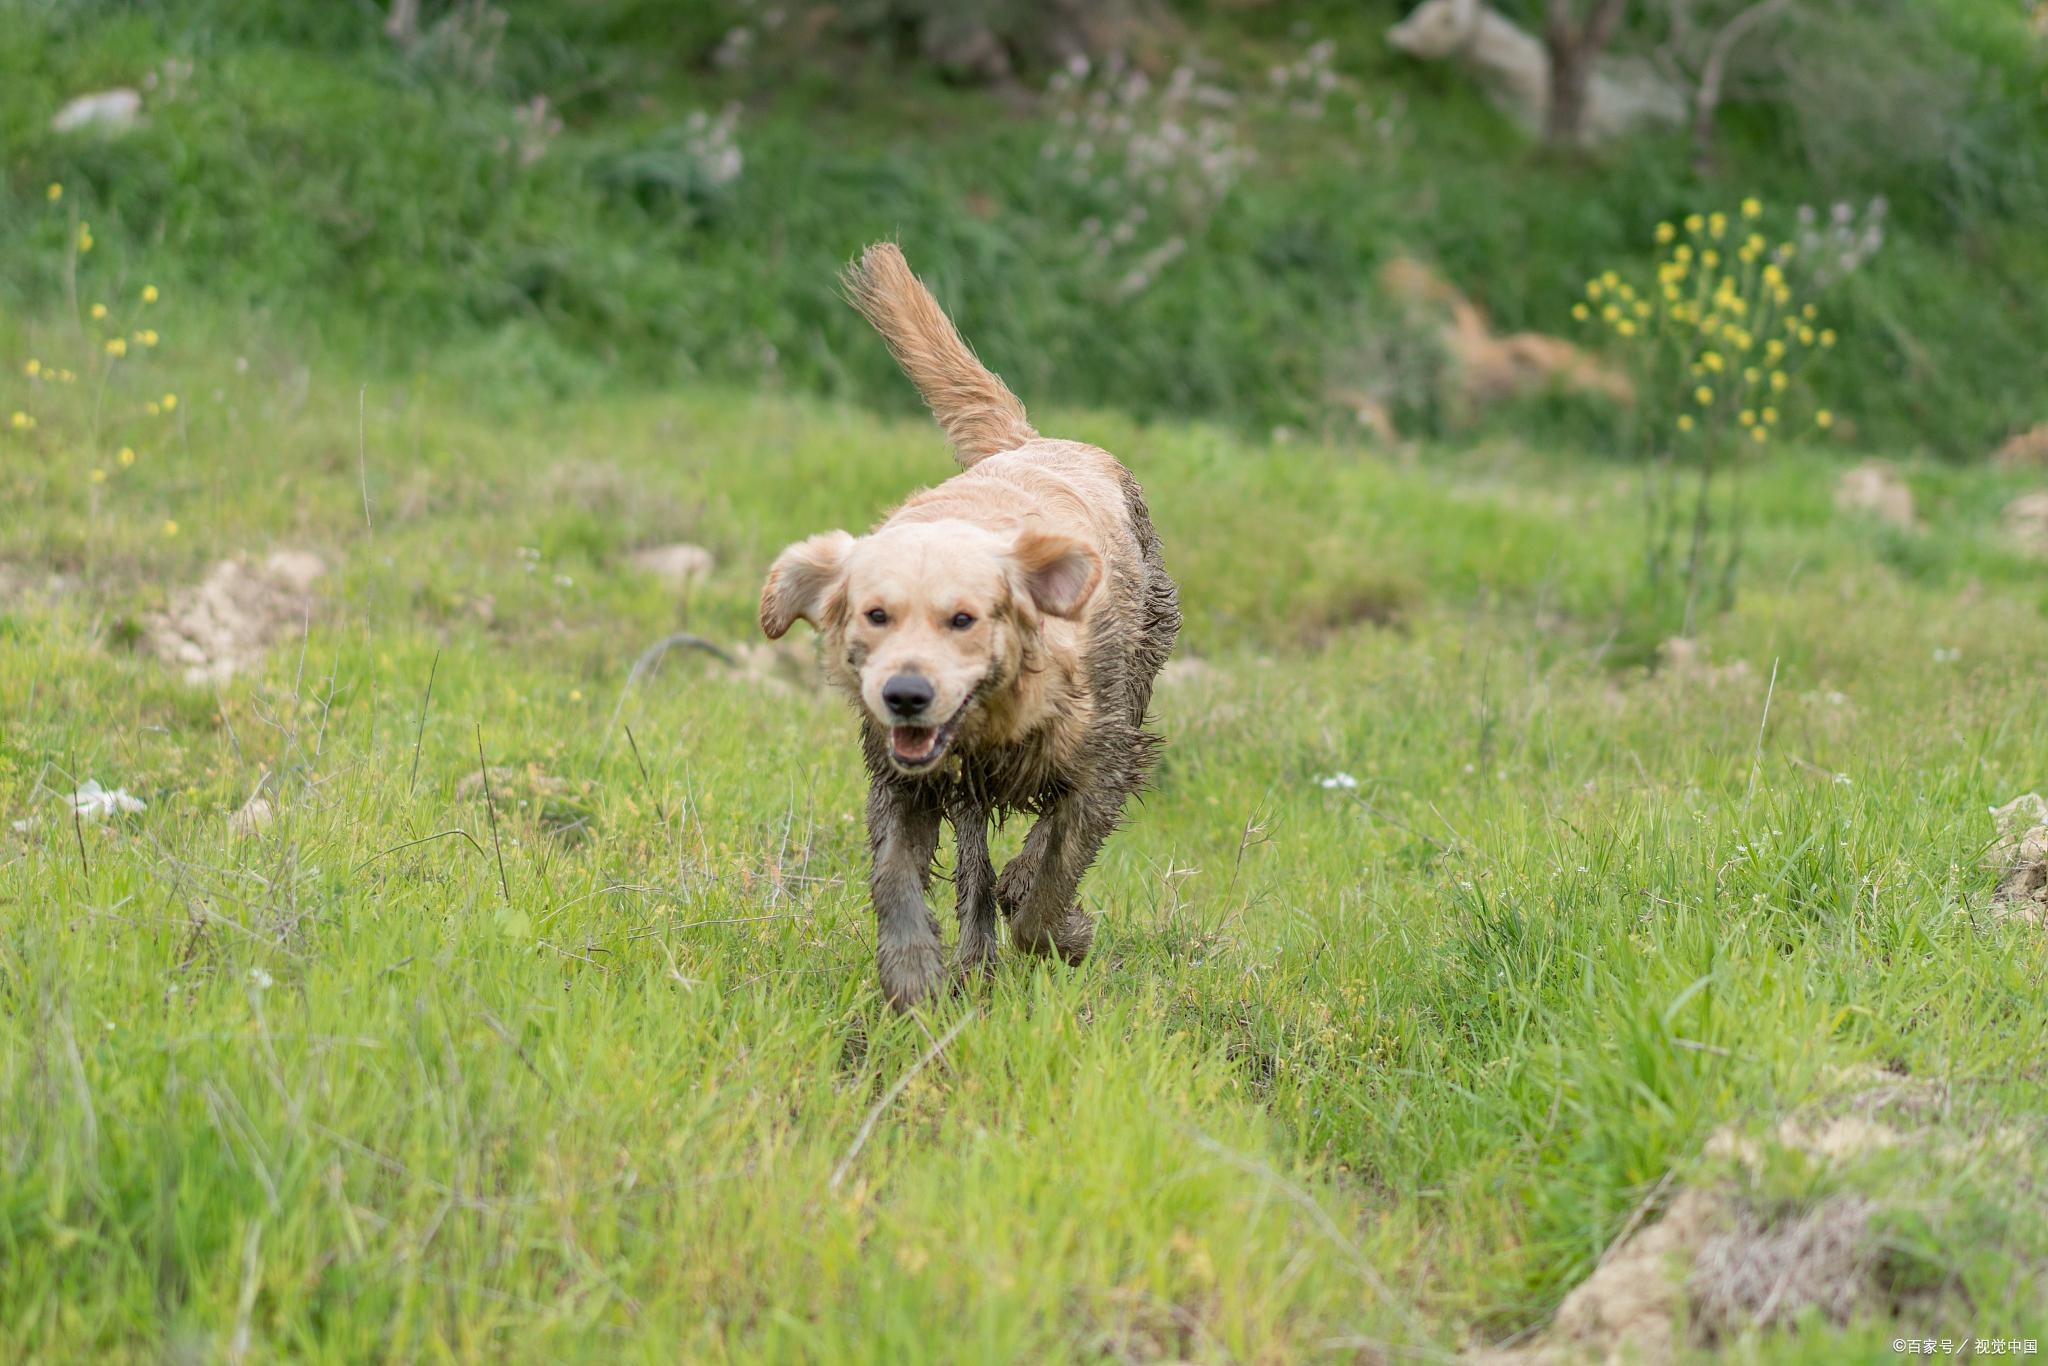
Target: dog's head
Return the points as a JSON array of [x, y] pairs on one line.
[[926, 623]]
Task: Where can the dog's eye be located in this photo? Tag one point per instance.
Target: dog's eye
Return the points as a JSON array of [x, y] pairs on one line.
[[962, 620], [878, 616]]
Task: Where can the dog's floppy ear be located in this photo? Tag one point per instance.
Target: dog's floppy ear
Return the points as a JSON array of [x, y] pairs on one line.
[[1059, 572], [801, 582]]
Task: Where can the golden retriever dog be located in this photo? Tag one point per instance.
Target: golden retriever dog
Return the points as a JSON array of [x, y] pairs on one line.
[[998, 636]]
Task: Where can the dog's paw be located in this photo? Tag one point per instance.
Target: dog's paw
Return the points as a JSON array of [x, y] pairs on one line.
[[1068, 938], [974, 962], [909, 972]]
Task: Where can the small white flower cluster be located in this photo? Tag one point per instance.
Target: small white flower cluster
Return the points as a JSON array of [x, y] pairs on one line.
[[1161, 157], [1337, 782], [1307, 83], [1841, 246], [714, 144]]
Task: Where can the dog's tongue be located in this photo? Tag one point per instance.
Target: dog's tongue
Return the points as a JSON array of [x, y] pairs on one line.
[[913, 743]]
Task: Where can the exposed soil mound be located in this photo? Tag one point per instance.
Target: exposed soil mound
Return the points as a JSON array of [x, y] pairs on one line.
[[222, 625], [2020, 854], [1874, 489]]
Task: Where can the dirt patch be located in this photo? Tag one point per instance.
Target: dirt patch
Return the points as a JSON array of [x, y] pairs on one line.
[[222, 625], [677, 566], [1493, 368], [2028, 450], [1721, 1262], [1874, 489], [2026, 522], [22, 584], [2020, 854], [1683, 660]]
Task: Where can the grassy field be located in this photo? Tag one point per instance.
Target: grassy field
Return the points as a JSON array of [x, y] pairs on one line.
[[596, 1068]]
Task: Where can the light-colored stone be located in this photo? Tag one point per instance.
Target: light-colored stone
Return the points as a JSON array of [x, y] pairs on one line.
[[111, 111]]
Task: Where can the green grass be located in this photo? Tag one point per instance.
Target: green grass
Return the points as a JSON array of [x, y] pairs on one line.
[[308, 170], [1383, 1066]]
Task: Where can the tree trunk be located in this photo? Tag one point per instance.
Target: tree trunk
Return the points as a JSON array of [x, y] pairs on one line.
[[1573, 48]]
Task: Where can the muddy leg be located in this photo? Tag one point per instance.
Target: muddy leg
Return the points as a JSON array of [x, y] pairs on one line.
[[903, 834], [974, 881], [1037, 889]]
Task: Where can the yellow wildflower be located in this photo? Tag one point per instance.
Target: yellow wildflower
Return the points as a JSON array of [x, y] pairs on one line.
[[152, 407], [1642, 309], [147, 336], [1593, 289], [1827, 336], [1809, 313], [21, 421], [1710, 258], [84, 237], [1758, 434], [1681, 253], [170, 527], [127, 456], [99, 476], [1770, 416], [1778, 381], [1750, 374], [117, 346], [33, 367], [1671, 293], [1806, 336], [149, 295], [1609, 278], [1747, 417], [1703, 395], [99, 311], [1693, 222], [1773, 275], [1774, 350], [1823, 419], [1717, 223], [170, 401], [1579, 311], [1752, 207], [1711, 359], [1685, 423], [1627, 327], [54, 193], [1665, 232], [1610, 313]]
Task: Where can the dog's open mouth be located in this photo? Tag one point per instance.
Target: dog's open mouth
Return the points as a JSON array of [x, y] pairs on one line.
[[916, 747]]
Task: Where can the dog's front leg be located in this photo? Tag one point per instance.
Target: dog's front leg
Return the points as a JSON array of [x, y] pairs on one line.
[[903, 834], [974, 882], [1037, 889]]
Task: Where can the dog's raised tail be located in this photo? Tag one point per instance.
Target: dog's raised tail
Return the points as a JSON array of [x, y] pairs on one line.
[[977, 410]]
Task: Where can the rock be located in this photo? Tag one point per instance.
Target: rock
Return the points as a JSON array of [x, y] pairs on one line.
[[2026, 522], [110, 111], [1624, 94], [222, 625], [2028, 450], [2020, 856], [1874, 489], [677, 566]]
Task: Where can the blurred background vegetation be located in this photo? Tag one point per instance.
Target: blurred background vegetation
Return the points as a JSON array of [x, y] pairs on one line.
[[1184, 208]]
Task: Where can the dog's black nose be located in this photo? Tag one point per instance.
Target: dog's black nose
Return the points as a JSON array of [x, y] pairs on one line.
[[907, 695]]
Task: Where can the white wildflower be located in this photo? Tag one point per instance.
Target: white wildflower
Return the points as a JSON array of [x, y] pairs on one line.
[[1337, 781]]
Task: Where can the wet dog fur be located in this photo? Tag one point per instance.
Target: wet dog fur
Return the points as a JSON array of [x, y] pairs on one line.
[[998, 636]]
